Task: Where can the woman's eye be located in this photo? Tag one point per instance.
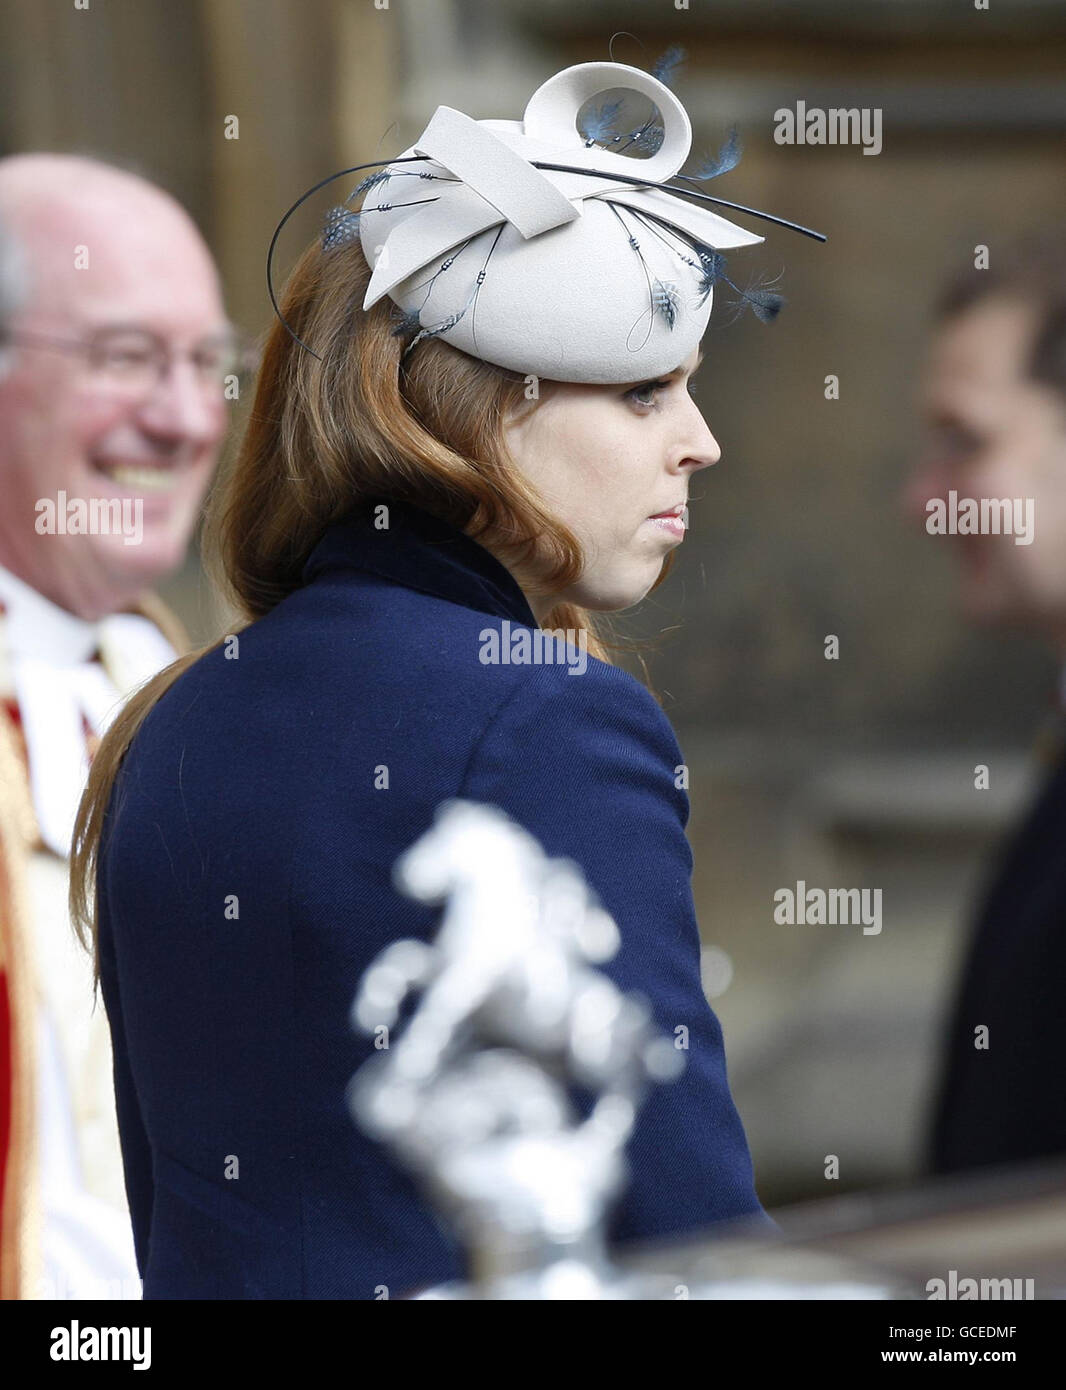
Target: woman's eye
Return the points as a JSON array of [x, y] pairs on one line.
[[645, 395]]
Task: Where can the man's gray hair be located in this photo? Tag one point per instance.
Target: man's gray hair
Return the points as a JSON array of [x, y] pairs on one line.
[[14, 286]]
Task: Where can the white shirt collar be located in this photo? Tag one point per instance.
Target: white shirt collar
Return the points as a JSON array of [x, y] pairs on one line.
[[39, 628], [62, 693]]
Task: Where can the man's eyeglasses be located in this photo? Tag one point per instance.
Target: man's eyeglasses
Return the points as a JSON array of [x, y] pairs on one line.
[[130, 362]]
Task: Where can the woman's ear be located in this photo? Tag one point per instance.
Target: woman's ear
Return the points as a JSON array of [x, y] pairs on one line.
[[519, 413]]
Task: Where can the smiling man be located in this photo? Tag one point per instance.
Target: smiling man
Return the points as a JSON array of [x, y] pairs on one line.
[[995, 432], [115, 352]]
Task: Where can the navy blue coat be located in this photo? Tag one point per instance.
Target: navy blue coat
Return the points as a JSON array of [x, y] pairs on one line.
[[1004, 1102], [253, 779]]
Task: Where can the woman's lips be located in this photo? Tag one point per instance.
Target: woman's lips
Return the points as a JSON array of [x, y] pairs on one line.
[[673, 522]]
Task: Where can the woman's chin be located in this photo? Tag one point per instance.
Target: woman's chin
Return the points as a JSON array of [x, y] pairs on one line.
[[618, 595]]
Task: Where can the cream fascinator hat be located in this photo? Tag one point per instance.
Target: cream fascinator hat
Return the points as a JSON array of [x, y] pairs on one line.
[[560, 246]]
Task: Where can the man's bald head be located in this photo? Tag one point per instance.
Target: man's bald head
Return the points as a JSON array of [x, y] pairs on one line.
[[52, 203], [93, 253]]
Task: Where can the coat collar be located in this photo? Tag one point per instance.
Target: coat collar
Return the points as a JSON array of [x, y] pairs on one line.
[[425, 553]]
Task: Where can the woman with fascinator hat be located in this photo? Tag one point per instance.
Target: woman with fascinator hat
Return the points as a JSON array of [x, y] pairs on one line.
[[473, 416]]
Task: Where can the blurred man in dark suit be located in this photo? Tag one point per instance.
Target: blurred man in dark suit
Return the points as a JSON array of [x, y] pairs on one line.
[[995, 428]]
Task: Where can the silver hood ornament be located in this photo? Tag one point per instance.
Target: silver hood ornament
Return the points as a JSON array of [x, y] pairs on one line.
[[474, 1096]]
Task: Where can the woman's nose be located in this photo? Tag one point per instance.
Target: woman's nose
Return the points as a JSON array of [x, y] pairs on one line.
[[701, 449]]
